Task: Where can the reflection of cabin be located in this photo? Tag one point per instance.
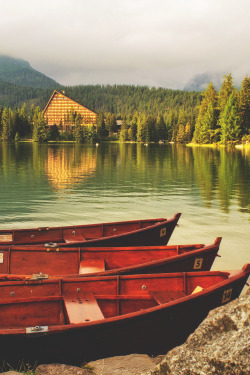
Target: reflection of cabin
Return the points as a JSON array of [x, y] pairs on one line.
[[58, 110], [67, 168]]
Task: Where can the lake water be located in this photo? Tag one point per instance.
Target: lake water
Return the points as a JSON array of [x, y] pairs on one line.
[[53, 185]]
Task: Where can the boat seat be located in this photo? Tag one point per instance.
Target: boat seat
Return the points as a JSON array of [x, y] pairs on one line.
[[83, 309], [197, 289], [76, 238], [91, 265], [6, 237], [164, 297]]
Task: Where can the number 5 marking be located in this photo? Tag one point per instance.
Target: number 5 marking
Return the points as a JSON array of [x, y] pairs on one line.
[[163, 232], [198, 263], [227, 295]]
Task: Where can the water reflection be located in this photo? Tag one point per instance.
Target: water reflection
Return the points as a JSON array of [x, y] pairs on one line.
[[66, 168], [50, 185], [217, 175]]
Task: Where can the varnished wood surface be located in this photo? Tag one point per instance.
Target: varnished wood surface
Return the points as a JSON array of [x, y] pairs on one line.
[[126, 233], [136, 316]]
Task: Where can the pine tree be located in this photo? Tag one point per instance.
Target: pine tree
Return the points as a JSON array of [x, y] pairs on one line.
[[230, 120], [225, 92], [188, 133], [140, 129], [161, 129], [7, 125], [100, 126], [170, 123], [124, 130], [78, 129], [39, 126], [182, 120], [206, 122], [244, 106]]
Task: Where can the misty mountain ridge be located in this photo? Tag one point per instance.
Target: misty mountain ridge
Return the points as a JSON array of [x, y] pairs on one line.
[[19, 72], [199, 82]]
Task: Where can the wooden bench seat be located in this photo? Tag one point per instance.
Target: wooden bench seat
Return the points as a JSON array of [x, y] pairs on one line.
[[164, 297], [83, 309], [77, 238], [91, 265]]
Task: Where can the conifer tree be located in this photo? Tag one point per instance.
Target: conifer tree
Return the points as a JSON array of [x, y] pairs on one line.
[[188, 133], [78, 134], [206, 123], [39, 126], [132, 131], [244, 106], [100, 126], [124, 130], [180, 131], [7, 125], [170, 123], [161, 129], [140, 129], [225, 92], [230, 120]]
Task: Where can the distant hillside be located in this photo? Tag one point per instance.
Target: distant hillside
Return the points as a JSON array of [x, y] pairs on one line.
[[19, 84], [127, 99], [199, 82], [12, 95], [19, 72]]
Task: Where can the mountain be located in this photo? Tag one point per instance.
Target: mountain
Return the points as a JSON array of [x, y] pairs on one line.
[[19, 72], [199, 82]]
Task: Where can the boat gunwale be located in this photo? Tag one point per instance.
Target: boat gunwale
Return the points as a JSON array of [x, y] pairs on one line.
[[3, 231]]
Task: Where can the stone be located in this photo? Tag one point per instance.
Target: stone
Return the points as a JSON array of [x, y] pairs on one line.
[[60, 369], [220, 345], [133, 364]]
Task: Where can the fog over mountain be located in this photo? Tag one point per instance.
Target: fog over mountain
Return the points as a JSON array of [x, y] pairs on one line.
[[160, 43], [20, 72]]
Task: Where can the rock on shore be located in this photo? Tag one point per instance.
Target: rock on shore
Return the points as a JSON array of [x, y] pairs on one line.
[[220, 345]]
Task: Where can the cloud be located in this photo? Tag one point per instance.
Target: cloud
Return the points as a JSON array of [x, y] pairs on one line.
[[151, 42]]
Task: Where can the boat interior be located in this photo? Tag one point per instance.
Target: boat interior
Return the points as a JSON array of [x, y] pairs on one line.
[[21, 260], [58, 302]]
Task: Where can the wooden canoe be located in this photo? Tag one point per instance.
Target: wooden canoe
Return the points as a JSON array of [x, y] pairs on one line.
[[125, 233], [70, 320], [41, 261]]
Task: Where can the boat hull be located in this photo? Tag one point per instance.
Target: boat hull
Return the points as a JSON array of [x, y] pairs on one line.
[[154, 331], [29, 260], [127, 233]]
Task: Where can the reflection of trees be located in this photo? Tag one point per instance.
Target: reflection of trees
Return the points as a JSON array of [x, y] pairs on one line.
[[219, 175], [14, 159], [206, 162], [67, 166], [225, 173]]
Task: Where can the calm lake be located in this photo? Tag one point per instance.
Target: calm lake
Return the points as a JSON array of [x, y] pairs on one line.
[[53, 185]]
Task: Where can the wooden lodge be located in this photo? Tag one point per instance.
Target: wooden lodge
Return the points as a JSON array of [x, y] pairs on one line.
[[58, 110]]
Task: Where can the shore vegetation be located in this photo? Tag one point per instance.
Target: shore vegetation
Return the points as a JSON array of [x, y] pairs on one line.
[[141, 114]]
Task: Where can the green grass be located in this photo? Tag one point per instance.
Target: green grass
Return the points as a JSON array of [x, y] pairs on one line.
[[21, 366]]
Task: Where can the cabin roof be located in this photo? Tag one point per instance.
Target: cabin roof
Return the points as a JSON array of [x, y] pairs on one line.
[[65, 96]]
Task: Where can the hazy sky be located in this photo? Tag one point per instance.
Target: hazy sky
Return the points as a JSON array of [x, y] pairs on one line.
[[146, 42]]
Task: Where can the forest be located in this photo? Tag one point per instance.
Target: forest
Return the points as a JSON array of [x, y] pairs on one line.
[[146, 114]]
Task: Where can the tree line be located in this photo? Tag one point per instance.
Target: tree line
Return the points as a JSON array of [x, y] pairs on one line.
[[146, 115], [225, 116]]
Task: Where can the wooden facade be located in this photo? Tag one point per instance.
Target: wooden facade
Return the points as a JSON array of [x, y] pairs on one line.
[[58, 109]]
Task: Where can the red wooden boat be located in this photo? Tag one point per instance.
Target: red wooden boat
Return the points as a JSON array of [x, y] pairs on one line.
[[125, 233], [40, 260], [70, 320]]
